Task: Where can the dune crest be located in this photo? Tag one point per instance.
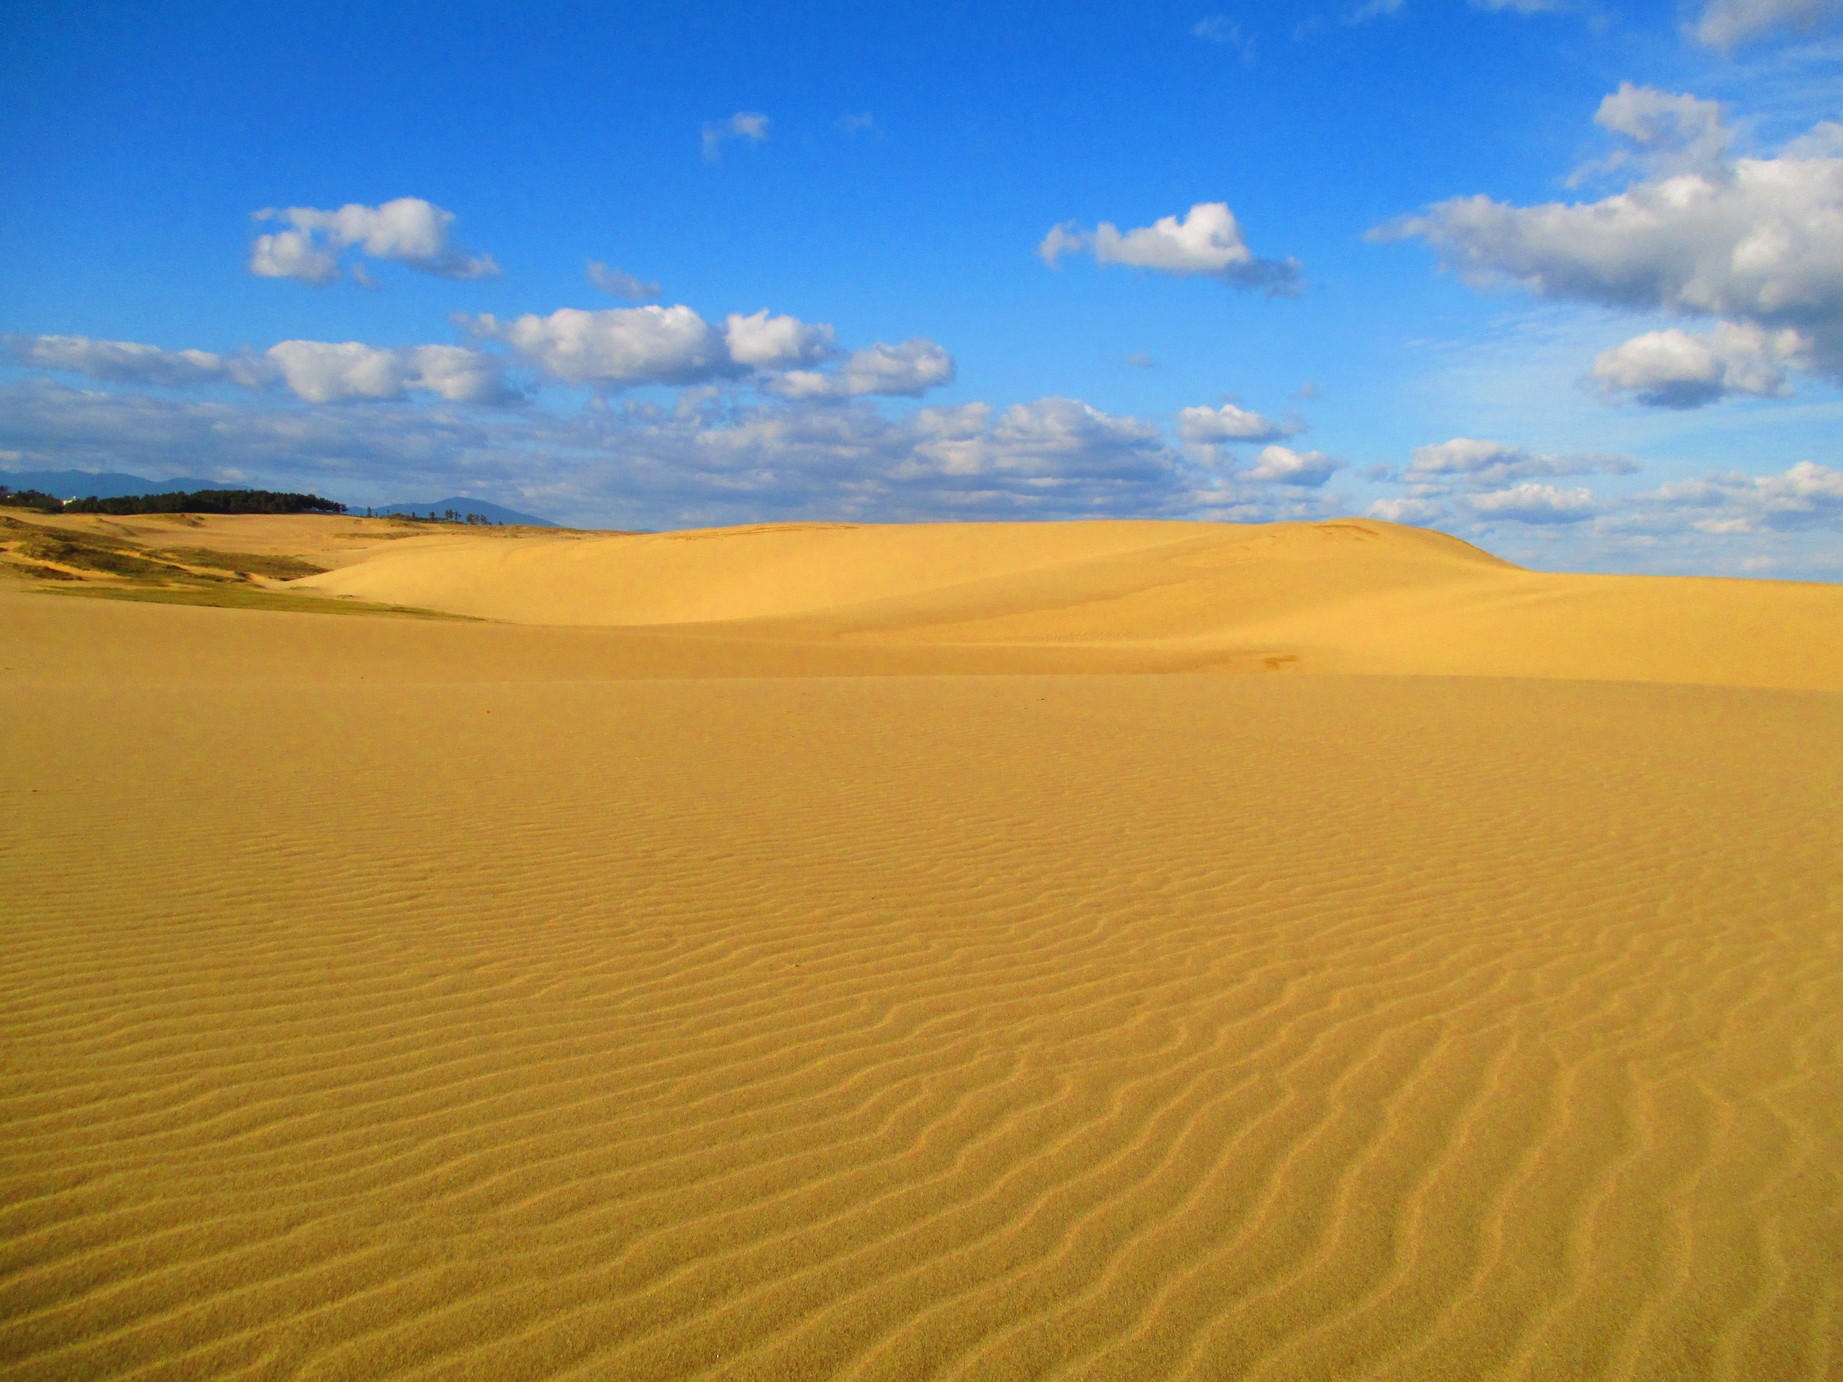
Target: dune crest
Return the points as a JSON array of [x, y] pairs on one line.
[[1354, 595]]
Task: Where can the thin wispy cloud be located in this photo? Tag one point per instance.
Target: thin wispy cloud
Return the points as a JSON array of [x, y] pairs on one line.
[[749, 126], [620, 283], [1728, 24], [1224, 32]]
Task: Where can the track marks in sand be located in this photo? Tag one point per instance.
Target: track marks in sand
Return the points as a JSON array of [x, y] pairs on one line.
[[1086, 1028]]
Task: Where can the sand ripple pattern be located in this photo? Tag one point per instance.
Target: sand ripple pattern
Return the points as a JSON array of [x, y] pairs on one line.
[[1105, 1027]]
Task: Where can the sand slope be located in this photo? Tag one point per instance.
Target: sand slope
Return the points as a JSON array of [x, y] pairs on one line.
[[386, 998], [1355, 595]]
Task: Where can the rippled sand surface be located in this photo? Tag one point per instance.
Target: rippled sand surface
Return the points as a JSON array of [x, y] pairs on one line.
[[402, 999]]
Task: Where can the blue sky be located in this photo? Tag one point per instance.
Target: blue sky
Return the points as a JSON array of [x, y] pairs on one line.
[[1563, 277]]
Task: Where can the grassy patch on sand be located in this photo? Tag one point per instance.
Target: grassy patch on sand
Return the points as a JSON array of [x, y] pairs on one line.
[[248, 597], [243, 563]]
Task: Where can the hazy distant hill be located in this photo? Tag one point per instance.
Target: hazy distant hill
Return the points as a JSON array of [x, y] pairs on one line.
[[82, 484], [437, 507]]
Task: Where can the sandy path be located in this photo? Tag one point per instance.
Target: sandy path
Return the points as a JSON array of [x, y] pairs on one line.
[[984, 1027]]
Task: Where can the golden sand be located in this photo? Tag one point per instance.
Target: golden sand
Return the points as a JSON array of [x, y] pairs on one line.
[[666, 996]]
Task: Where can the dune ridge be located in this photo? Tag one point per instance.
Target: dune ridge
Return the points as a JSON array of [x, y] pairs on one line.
[[1352, 596]]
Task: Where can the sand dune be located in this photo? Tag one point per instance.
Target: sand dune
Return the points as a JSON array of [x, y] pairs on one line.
[[671, 999], [1356, 595]]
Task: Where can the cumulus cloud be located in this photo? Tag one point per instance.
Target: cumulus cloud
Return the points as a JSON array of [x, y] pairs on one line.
[[120, 362], [767, 342], [1754, 242], [340, 372], [1533, 503], [1230, 423], [906, 370], [1281, 465], [1206, 243], [1675, 369], [640, 463], [621, 285], [621, 347], [751, 125], [1671, 132], [1468, 485], [1473, 463], [1420, 512], [1726, 24], [314, 371], [614, 348], [1804, 495], [408, 230], [618, 346]]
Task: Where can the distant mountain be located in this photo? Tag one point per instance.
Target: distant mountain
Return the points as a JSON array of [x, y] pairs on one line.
[[437, 507], [82, 484]]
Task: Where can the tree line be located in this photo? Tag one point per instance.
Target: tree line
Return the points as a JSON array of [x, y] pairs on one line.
[[180, 501]]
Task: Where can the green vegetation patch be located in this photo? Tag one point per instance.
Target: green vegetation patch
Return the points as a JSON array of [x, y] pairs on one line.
[[25, 570], [249, 597], [243, 563], [106, 557]]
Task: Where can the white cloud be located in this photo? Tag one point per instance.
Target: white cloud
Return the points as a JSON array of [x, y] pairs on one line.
[[704, 459], [1533, 503], [121, 362], [408, 230], [862, 123], [1230, 423], [1675, 369], [751, 125], [1473, 463], [1804, 495], [621, 285], [1726, 24], [639, 463], [1420, 512], [339, 372], [1206, 243], [617, 346], [1281, 465], [906, 370], [314, 371], [777, 342], [1673, 132], [293, 254], [1756, 242], [335, 372]]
